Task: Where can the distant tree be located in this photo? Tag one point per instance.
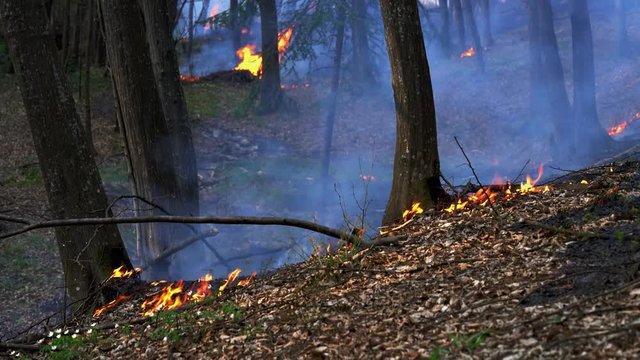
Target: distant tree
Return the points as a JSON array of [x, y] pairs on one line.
[[270, 92], [446, 28], [589, 132], [236, 31], [553, 75], [456, 8], [150, 138], [486, 14], [71, 177], [416, 164], [362, 64], [467, 10], [538, 104], [191, 28]]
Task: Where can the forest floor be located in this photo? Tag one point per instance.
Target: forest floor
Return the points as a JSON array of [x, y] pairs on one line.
[[553, 276]]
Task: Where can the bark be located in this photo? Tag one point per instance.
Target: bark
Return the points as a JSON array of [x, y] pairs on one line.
[[553, 75], [590, 136], [539, 107], [621, 27], [236, 31], [335, 85], [416, 164], [457, 18], [270, 92], [363, 67], [167, 77], [70, 174], [486, 14], [467, 9], [446, 28], [172, 7], [87, 76], [143, 125]]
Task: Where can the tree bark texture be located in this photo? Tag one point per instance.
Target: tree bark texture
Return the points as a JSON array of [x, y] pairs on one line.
[[236, 31], [70, 174], [416, 164], [486, 14], [145, 130], [270, 92], [538, 105], [456, 9], [167, 77]]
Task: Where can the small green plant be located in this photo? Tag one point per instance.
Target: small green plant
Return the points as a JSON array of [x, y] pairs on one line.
[[588, 217], [461, 342], [162, 333], [64, 347], [619, 235], [29, 175], [126, 329], [232, 309]]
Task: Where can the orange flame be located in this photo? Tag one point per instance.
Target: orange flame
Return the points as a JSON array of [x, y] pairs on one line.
[[230, 278], [110, 305], [121, 272], [246, 282], [621, 127], [460, 205], [469, 53], [213, 12], [189, 78], [252, 62], [168, 299], [203, 290], [409, 214]]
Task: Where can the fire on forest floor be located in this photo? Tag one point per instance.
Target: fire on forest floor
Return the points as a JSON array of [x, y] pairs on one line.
[[554, 275]]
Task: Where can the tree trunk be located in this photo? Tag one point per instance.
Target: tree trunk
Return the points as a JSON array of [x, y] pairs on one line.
[[416, 165], [71, 177], [270, 92], [363, 68], [174, 107], [172, 7], [144, 127], [486, 14], [457, 18], [446, 28], [190, 40], [590, 136], [621, 27], [467, 9], [335, 86], [87, 76], [553, 74], [236, 31], [538, 105]]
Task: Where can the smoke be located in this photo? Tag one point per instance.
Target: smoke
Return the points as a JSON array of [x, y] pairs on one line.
[[489, 112]]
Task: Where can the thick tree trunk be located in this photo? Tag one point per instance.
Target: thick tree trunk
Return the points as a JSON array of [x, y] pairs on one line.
[[146, 132], [363, 68], [172, 6], [70, 174], [621, 27], [446, 28], [590, 136], [174, 107], [236, 31], [538, 101], [467, 9], [553, 74], [456, 7], [270, 92], [486, 14], [416, 165], [335, 86], [87, 75]]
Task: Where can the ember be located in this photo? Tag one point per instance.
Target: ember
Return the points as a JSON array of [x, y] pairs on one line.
[[469, 53], [189, 78], [253, 62], [621, 127]]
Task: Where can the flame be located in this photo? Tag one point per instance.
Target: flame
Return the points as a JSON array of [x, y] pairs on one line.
[[621, 127], [469, 53], [409, 214], [460, 205], [246, 282], [203, 290], [121, 272], [252, 62], [168, 299], [189, 78], [244, 31], [530, 185], [230, 278], [110, 305]]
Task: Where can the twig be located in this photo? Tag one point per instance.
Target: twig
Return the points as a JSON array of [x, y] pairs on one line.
[[521, 171], [477, 178], [181, 246], [227, 220], [27, 347]]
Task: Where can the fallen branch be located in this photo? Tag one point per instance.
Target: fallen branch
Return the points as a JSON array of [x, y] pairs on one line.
[[226, 220], [181, 246]]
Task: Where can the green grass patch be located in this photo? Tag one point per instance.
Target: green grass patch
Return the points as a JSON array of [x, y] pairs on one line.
[[29, 175], [208, 99]]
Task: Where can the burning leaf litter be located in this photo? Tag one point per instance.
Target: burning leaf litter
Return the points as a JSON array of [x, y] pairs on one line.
[[251, 61]]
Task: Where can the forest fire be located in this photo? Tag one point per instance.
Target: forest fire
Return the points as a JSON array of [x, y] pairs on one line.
[[215, 9], [252, 62], [492, 193], [174, 295], [121, 272], [189, 78], [469, 53], [410, 213], [618, 129]]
